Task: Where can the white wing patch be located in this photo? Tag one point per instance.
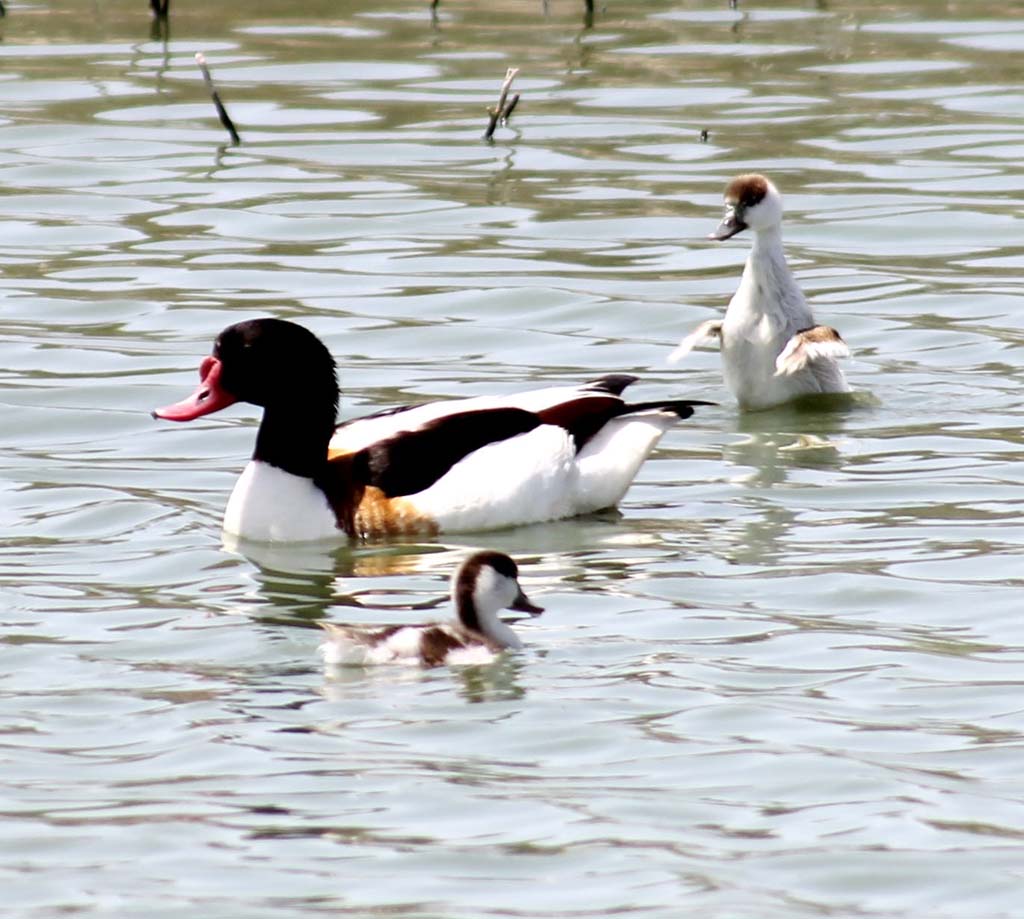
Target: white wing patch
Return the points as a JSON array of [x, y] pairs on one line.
[[819, 343], [361, 432], [709, 332], [524, 479], [348, 646]]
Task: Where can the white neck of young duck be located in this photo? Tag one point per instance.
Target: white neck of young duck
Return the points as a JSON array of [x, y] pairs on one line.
[[768, 287], [492, 592], [768, 242]]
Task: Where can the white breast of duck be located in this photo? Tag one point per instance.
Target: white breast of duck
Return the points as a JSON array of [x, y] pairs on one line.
[[455, 466], [772, 350], [486, 583]]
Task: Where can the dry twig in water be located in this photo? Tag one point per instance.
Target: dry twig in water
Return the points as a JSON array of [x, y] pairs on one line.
[[222, 112], [160, 27], [503, 110]]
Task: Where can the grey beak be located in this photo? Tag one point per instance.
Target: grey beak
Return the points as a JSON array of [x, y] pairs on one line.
[[730, 226], [522, 605]]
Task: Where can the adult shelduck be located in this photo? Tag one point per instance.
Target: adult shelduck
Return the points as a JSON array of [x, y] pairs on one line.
[[454, 466], [772, 349], [483, 585]]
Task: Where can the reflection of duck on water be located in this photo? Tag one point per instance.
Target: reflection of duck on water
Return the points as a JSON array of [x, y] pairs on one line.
[[483, 585], [768, 453], [772, 349], [459, 466]]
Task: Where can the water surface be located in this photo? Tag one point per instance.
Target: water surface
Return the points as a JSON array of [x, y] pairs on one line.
[[783, 680]]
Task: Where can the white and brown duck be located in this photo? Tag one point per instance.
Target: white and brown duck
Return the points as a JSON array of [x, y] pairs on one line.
[[484, 584], [453, 466], [773, 351]]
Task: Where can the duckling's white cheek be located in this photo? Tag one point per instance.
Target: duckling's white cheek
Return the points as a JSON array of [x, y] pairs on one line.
[[492, 590]]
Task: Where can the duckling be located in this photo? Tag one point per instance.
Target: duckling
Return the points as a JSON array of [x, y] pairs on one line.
[[483, 584], [773, 351]]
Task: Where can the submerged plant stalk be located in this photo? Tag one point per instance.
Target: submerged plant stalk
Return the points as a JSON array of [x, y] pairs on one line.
[[225, 118]]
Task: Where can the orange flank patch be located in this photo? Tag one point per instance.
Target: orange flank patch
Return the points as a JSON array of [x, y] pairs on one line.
[[379, 515], [366, 511]]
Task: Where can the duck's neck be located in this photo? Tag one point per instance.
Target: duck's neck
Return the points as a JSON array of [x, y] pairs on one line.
[[486, 622], [768, 245], [295, 439], [769, 286]]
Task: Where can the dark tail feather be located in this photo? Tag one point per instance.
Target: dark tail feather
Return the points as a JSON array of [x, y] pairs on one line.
[[682, 407], [611, 383], [585, 416]]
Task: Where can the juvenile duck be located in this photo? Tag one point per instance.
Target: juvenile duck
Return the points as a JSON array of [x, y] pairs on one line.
[[772, 349], [484, 584]]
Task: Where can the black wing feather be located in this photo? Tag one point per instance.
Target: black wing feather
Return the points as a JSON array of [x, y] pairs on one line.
[[681, 407], [410, 461], [585, 416], [582, 417], [612, 383]]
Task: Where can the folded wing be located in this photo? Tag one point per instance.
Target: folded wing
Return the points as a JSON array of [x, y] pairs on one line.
[[808, 345]]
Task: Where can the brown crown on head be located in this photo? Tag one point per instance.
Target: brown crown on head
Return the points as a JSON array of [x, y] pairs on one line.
[[746, 190]]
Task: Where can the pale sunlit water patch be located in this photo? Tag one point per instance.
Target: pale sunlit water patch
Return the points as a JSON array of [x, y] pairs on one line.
[[280, 29], [938, 27], [38, 92], [991, 103], [719, 49], [245, 114], [738, 15], [325, 72], [912, 140], [1012, 43], [680, 98], [63, 50], [885, 68]]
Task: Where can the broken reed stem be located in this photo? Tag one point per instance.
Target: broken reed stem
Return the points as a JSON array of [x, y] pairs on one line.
[[222, 112], [500, 113], [509, 109]]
